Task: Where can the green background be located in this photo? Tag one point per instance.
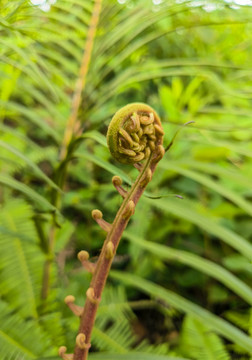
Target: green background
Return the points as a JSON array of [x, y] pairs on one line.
[[180, 285]]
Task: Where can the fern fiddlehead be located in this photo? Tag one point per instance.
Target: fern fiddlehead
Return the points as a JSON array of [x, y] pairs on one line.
[[134, 132], [135, 136]]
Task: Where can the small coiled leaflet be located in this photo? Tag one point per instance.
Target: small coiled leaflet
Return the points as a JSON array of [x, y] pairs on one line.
[[135, 131]]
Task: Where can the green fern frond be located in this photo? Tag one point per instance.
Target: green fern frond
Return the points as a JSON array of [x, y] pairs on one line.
[[240, 319], [31, 164], [203, 265], [113, 331], [20, 337], [22, 260], [132, 356], [114, 305], [188, 211], [200, 343], [161, 349], [215, 323], [39, 201]]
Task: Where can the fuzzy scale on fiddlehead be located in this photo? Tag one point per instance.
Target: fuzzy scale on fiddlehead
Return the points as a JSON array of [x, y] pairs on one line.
[[134, 133]]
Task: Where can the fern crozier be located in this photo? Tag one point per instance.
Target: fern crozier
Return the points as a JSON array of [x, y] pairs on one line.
[[135, 131]]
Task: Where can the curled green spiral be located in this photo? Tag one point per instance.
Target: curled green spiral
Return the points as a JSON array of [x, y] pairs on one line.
[[134, 133]]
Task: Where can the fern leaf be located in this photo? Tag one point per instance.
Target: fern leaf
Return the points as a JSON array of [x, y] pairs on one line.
[[200, 342], [21, 338], [38, 200], [216, 324]]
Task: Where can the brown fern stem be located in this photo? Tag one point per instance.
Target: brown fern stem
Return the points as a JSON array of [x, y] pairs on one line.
[[81, 81], [104, 262], [134, 134]]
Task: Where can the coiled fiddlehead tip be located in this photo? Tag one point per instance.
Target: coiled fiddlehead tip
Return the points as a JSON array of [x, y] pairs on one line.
[[69, 299], [83, 255], [134, 132]]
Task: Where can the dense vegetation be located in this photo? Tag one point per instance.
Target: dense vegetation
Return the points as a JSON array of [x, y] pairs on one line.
[[181, 282]]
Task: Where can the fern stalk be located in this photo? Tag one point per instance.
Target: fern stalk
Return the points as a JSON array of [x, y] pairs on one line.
[[135, 134], [48, 263], [72, 126]]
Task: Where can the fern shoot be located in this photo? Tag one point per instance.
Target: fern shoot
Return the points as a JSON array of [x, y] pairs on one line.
[[135, 134]]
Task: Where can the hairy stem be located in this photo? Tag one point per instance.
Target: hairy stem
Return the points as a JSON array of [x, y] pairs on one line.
[[105, 260], [135, 134]]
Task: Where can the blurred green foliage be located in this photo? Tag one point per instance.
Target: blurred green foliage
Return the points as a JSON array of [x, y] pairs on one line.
[[180, 287]]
